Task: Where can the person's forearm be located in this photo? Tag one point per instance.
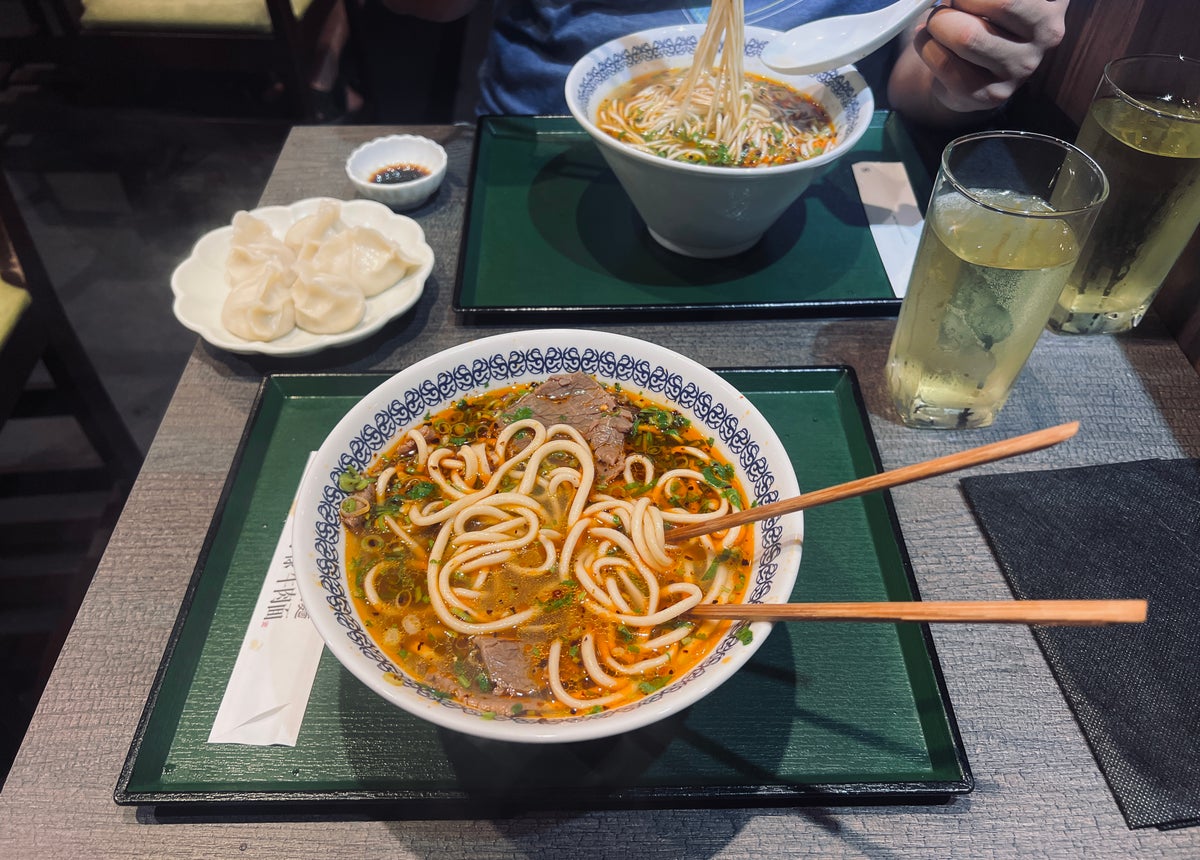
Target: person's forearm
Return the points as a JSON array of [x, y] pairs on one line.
[[431, 10]]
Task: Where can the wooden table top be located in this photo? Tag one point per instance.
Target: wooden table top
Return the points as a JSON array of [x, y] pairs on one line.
[[1039, 792]]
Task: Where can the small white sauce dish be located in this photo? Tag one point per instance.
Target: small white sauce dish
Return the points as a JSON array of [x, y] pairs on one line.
[[392, 150]]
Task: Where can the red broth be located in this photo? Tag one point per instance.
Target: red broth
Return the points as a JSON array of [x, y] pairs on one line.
[[395, 563]]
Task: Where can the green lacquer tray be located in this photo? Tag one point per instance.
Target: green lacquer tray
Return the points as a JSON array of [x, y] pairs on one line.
[[549, 232], [823, 713]]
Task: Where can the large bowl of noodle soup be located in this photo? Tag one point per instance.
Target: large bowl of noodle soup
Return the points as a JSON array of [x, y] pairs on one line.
[[701, 210], [378, 629]]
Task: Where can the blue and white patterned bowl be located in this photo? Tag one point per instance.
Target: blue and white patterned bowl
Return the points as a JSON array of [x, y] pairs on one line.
[[462, 371], [695, 209]]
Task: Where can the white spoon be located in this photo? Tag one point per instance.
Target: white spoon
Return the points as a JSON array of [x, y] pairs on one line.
[[829, 43]]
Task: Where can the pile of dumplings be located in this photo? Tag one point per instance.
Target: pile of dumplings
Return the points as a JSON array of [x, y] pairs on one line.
[[318, 277]]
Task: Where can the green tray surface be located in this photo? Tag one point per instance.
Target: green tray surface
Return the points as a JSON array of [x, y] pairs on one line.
[[549, 229], [822, 712]]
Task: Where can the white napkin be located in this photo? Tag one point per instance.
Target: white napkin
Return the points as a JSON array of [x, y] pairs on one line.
[[267, 694], [893, 215]]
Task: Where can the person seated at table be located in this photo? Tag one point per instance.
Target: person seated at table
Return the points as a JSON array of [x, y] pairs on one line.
[[965, 58]]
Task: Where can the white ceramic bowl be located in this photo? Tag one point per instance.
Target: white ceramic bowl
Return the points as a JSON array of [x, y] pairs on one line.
[[382, 152], [425, 387], [699, 210]]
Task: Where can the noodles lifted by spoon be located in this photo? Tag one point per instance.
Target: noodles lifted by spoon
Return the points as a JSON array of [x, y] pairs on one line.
[[715, 112]]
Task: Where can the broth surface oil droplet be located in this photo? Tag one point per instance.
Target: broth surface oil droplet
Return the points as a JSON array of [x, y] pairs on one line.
[[394, 174]]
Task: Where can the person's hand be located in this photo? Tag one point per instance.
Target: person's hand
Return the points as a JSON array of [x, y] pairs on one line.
[[969, 56], [981, 51]]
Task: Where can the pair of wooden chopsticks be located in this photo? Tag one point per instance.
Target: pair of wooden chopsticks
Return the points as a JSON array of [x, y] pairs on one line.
[[1063, 612], [1047, 612]]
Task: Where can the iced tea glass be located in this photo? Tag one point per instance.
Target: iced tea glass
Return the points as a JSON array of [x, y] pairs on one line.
[[1143, 127], [1008, 214]]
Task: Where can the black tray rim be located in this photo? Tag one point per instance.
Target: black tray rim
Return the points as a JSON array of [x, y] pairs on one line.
[[382, 803], [624, 313]]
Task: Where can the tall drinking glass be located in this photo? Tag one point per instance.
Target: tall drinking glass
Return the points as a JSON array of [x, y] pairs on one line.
[[1143, 128], [1007, 217]]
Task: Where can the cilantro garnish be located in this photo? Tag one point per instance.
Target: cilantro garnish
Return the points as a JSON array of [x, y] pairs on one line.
[[420, 490], [562, 597], [718, 474], [648, 687], [730, 554], [520, 414]]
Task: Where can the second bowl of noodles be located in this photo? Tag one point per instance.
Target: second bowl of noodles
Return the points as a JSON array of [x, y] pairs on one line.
[[484, 540], [704, 189]]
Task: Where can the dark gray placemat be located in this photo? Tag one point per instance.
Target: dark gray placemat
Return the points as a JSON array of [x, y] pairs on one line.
[[1122, 531]]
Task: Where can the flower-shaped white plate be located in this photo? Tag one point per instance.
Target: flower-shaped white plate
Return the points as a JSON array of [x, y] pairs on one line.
[[200, 288]]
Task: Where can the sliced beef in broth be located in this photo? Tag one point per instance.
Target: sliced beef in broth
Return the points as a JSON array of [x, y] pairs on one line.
[[508, 665], [578, 400], [408, 447]]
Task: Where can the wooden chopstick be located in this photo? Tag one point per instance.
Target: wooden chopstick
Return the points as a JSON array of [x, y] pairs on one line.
[[1056, 612], [893, 478]]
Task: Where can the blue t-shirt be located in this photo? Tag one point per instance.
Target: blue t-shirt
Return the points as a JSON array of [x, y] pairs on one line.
[[534, 43]]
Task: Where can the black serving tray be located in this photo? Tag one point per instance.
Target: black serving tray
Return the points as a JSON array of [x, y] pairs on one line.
[[823, 713]]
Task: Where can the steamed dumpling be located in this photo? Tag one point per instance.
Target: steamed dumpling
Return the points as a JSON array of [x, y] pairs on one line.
[[332, 255], [308, 252], [376, 263], [248, 229], [364, 255], [326, 303], [261, 308], [248, 262], [252, 246], [313, 227]]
